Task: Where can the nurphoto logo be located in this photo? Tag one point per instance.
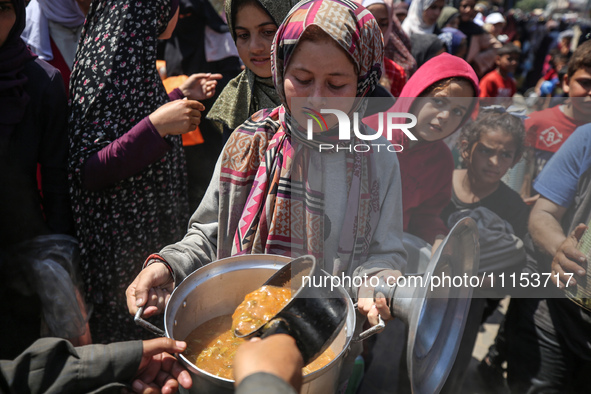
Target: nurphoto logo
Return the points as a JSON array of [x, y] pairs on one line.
[[393, 122]]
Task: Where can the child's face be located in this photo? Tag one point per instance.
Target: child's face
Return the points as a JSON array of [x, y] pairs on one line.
[[453, 22], [254, 35], [491, 157], [498, 28], [324, 74], [467, 11], [441, 112], [578, 84], [401, 16], [508, 62], [578, 87], [565, 45]]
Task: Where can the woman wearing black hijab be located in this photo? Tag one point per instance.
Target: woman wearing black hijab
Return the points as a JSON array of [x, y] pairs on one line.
[[32, 131], [33, 135]]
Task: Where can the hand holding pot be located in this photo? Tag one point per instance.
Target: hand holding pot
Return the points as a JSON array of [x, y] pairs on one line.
[[151, 288], [367, 305], [568, 259]]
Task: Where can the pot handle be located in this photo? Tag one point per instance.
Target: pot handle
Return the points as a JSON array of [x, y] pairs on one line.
[[370, 331], [146, 325]]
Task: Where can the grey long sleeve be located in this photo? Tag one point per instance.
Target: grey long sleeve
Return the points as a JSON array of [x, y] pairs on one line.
[[53, 365], [264, 383], [199, 246]]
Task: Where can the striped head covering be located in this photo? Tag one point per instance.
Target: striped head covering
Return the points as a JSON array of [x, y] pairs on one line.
[[350, 25], [269, 203], [396, 43]]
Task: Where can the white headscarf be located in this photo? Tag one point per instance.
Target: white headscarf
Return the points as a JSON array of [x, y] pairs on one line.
[[414, 24], [367, 3], [65, 12], [42, 15]]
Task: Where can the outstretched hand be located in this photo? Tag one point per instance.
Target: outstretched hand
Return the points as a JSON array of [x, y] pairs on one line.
[[200, 86], [160, 372]]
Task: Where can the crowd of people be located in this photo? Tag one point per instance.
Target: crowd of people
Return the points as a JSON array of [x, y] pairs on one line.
[[114, 189]]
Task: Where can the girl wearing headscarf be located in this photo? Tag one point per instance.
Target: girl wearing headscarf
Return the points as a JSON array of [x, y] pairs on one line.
[[127, 169], [441, 94], [449, 17], [271, 189], [400, 10], [252, 90], [33, 133], [394, 76], [422, 17], [396, 43], [454, 41]]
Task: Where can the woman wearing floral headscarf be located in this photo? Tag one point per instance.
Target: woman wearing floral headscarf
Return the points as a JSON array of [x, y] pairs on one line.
[[394, 76], [397, 45], [272, 188], [127, 169]]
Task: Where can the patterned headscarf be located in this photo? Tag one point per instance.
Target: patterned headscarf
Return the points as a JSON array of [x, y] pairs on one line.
[[350, 25], [282, 212], [114, 82], [114, 85], [396, 43]]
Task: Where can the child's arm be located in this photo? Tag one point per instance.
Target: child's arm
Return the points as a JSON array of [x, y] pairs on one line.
[[525, 190]]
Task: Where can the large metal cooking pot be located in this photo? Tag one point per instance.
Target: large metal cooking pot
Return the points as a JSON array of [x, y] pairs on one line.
[[436, 318], [217, 289]]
